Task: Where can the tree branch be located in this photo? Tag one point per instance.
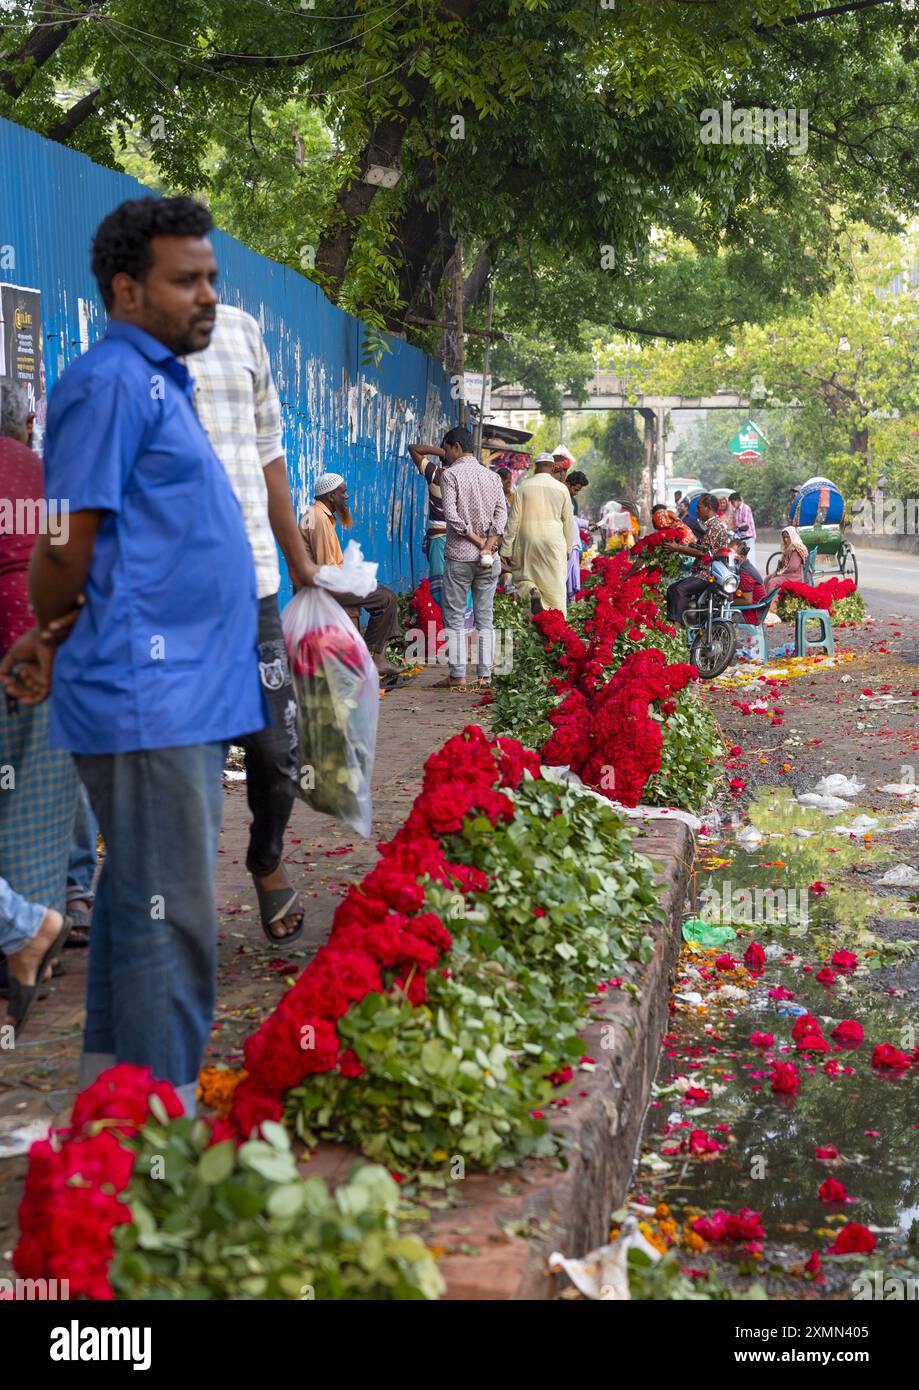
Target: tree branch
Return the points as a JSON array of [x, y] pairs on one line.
[[73, 118], [830, 12], [40, 46], [702, 332]]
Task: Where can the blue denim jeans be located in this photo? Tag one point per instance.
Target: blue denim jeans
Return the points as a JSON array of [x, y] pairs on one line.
[[153, 944], [459, 577], [81, 867], [19, 920]]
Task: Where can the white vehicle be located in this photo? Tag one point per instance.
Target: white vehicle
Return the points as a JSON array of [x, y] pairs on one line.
[[683, 485]]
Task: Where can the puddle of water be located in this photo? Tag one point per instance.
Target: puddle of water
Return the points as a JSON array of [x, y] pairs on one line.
[[871, 1116], [800, 848]]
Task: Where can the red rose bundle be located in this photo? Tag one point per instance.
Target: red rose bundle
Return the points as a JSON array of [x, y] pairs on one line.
[[820, 595], [428, 618], [381, 939], [72, 1204]]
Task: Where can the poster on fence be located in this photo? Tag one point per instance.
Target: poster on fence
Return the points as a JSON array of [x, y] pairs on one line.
[[22, 348]]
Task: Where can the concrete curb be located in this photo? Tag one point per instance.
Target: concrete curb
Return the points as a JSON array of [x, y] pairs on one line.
[[555, 1208], [568, 1209]]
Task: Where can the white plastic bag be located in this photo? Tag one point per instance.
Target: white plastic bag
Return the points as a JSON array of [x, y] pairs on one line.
[[817, 801], [603, 1275], [903, 876], [838, 784], [338, 704], [354, 576]]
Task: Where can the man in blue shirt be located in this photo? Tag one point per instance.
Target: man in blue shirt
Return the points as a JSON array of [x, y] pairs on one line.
[[161, 667]]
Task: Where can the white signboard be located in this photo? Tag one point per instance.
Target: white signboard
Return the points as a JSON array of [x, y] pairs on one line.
[[473, 391]]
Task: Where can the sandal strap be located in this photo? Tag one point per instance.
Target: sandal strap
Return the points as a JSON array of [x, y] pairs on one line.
[[275, 903]]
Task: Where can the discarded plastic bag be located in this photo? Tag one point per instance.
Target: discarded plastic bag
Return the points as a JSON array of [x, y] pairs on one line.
[[789, 1010], [691, 997], [338, 704], [706, 933], [838, 784], [603, 1274], [901, 788], [816, 801], [859, 826], [564, 774], [903, 876]]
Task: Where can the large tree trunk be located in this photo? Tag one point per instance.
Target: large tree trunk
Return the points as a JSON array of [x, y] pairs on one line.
[[859, 443], [421, 245], [422, 250], [477, 278], [383, 146]]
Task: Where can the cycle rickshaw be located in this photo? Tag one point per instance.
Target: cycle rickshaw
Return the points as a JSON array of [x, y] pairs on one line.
[[818, 511]]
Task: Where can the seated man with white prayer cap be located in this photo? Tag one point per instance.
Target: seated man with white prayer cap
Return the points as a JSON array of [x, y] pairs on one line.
[[317, 526]]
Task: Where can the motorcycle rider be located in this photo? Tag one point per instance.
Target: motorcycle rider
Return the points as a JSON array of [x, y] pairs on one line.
[[715, 537]]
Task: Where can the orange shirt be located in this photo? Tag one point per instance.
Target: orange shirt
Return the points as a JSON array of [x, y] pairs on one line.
[[317, 527]]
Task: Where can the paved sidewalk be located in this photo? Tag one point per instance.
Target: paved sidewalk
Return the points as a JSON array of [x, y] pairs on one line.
[[37, 1079]]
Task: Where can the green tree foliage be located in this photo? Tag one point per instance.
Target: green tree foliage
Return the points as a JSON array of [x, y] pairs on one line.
[[609, 450], [547, 133], [788, 459], [842, 375]]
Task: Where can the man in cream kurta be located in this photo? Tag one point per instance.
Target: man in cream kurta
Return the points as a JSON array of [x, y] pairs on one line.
[[540, 537]]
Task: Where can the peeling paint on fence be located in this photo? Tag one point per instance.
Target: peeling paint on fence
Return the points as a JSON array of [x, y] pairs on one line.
[[337, 415]]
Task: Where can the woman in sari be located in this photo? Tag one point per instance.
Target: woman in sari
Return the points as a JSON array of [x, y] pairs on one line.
[[791, 565]]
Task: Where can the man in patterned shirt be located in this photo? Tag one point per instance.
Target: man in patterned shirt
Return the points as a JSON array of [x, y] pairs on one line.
[[475, 511], [237, 403], [715, 537]]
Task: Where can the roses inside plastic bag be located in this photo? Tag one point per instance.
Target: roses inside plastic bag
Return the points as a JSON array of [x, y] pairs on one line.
[[338, 703]]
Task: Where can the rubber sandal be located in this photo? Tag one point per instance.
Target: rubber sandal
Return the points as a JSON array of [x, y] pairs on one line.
[[80, 924], [22, 997], [274, 904]]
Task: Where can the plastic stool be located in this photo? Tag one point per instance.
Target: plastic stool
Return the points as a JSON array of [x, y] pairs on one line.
[[758, 629], [823, 643]]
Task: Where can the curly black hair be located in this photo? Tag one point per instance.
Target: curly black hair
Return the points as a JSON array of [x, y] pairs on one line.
[[458, 435], [122, 239]]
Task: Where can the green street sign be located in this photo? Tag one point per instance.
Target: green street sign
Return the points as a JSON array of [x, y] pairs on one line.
[[748, 442]]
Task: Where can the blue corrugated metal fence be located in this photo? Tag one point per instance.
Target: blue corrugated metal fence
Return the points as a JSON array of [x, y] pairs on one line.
[[338, 415]]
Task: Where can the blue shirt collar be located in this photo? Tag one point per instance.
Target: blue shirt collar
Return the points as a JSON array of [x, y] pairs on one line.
[[144, 342], [152, 349]]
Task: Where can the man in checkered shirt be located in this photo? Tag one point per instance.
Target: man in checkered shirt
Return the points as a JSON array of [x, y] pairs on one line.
[[238, 405]]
